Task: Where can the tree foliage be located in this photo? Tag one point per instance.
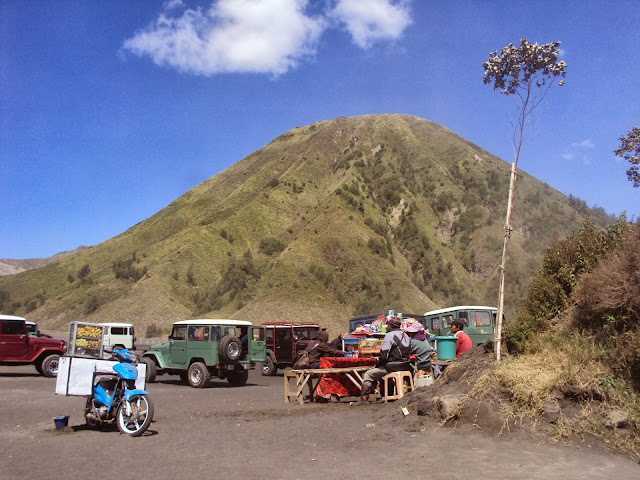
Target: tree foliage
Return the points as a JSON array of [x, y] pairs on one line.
[[517, 69], [527, 71], [630, 151]]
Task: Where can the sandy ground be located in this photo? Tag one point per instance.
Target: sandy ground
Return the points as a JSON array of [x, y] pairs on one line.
[[250, 432]]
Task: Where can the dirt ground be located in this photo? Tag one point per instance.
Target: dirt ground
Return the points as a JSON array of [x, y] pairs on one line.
[[250, 432]]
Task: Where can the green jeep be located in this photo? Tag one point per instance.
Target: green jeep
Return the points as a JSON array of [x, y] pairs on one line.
[[200, 349]]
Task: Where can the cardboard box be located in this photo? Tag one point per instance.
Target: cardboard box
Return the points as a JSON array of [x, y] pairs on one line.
[[368, 347]]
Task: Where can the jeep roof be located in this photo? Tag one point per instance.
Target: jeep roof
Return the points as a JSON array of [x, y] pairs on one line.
[[289, 324], [208, 321], [12, 317]]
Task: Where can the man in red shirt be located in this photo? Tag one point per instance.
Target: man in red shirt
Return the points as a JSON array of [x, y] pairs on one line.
[[464, 342]]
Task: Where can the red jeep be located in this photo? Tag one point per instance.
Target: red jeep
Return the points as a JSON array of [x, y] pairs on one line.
[[284, 341], [17, 347]]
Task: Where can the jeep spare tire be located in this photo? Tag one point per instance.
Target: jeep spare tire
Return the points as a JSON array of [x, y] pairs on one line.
[[230, 349]]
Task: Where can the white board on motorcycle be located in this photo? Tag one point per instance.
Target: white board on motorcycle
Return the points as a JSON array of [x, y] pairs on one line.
[[75, 374]]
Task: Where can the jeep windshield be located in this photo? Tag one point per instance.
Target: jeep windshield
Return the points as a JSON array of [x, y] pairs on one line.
[[305, 333]]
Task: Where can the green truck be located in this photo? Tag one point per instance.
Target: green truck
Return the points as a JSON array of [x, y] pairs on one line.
[[200, 349]]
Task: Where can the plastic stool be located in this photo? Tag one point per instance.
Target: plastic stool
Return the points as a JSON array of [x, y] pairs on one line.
[[398, 378]]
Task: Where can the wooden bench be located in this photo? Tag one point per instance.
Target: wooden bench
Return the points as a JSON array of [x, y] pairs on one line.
[[307, 377]]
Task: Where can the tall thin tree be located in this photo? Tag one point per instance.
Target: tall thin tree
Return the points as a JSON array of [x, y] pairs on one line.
[[526, 73]]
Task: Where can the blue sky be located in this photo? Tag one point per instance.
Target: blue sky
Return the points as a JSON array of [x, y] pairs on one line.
[[111, 110]]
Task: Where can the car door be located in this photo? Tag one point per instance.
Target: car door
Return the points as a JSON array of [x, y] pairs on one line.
[[13, 339], [284, 344], [257, 344], [178, 345]]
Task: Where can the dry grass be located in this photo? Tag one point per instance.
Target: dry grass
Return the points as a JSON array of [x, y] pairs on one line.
[[588, 423], [567, 373]]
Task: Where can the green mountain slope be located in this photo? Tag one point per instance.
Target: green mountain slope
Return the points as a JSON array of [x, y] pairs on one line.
[[330, 220]]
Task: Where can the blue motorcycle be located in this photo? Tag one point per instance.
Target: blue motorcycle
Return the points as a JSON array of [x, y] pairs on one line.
[[115, 398]]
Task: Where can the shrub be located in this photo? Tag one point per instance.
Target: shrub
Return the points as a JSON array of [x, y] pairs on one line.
[[153, 331], [236, 280], [83, 273], [271, 246], [92, 305], [189, 277], [552, 287], [5, 298], [31, 305], [125, 269], [378, 247], [612, 289]]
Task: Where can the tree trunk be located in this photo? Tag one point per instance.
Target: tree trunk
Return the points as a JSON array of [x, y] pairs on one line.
[[507, 234]]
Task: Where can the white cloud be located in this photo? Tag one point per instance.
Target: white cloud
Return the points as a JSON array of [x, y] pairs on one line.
[[576, 148], [264, 36], [372, 20], [261, 36], [584, 144]]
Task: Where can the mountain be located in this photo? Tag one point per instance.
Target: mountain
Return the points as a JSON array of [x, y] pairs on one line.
[[9, 266], [334, 219]]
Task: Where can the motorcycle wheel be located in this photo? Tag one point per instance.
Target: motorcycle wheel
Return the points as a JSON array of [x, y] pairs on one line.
[[135, 416], [89, 408]]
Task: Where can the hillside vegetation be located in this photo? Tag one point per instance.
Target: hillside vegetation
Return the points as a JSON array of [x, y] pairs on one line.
[[334, 219], [574, 367]]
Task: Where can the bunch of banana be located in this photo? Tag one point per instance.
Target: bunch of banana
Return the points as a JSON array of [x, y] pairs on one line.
[[91, 332], [81, 342]]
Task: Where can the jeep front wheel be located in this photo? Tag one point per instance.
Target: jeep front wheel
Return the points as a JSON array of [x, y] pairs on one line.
[[269, 368], [150, 376], [49, 365], [230, 349], [198, 375], [238, 379]]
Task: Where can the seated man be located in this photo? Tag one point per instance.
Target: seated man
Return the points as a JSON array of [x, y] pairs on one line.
[[395, 355], [319, 348], [420, 348]]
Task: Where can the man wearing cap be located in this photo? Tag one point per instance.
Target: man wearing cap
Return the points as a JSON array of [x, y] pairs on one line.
[[464, 342], [394, 356], [420, 348]]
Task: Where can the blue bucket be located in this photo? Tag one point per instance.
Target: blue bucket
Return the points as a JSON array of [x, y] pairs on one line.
[[446, 347], [61, 421]]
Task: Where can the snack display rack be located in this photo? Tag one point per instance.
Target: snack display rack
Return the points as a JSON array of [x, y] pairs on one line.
[[86, 340]]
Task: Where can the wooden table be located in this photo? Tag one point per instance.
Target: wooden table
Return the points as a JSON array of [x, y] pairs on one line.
[[306, 378]]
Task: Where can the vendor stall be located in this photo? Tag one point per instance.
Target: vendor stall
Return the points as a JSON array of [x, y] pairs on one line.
[[85, 359], [341, 384], [336, 376]]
